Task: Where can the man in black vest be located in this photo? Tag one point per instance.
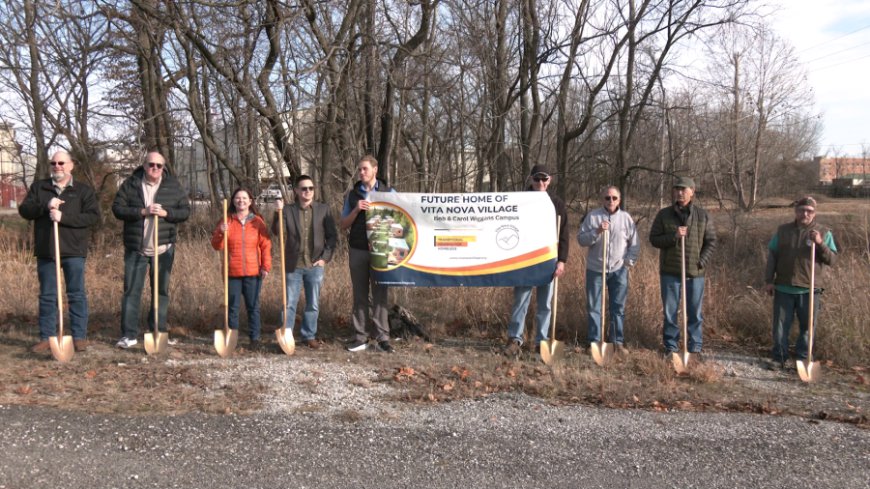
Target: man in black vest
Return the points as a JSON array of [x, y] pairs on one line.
[[73, 206], [787, 276], [353, 218]]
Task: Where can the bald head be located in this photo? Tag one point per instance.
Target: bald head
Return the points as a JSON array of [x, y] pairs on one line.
[[61, 167], [154, 163]]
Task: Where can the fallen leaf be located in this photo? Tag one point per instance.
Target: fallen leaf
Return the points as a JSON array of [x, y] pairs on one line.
[[24, 390], [447, 387], [91, 374], [511, 373]]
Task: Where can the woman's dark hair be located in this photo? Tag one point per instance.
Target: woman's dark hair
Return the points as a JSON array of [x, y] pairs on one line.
[[232, 207]]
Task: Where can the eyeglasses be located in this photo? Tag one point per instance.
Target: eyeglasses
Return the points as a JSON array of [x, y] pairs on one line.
[[541, 179], [611, 197], [805, 211], [57, 163], [306, 189], [155, 165]]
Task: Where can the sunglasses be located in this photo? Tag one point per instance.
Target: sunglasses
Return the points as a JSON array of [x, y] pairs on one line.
[[306, 189], [611, 197], [57, 163], [155, 165], [541, 179]]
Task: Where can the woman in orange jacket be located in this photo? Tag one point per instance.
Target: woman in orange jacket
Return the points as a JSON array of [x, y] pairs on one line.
[[250, 259]]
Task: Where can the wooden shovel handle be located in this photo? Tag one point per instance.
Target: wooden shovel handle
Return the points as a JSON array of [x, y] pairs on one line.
[[57, 280]]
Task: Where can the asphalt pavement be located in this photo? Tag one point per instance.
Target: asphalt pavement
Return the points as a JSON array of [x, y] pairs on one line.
[[506, 441]]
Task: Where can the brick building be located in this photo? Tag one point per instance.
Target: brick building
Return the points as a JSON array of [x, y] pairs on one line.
[[829, 169]]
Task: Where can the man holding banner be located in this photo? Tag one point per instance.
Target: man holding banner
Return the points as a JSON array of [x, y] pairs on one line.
[[539, 180], [353, 218]]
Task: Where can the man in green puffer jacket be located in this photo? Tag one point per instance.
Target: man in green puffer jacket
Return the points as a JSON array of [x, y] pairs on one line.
[[686, 219]]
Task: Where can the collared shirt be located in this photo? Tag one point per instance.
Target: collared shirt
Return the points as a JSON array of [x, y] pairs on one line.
[[346, 209], [58, 189], [306, 236], [149, 191]]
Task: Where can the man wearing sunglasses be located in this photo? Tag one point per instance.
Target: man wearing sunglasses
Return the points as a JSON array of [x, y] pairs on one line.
[[622, 251], [539, 180], [73, 206], [310, 238], [787, 276], [150, 191]]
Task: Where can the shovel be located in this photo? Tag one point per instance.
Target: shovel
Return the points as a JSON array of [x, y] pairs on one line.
[[284, 335], [681, 360], [61, 346], [810, 371], [552, 350], [156, 341], [602, 352], [225, 339]]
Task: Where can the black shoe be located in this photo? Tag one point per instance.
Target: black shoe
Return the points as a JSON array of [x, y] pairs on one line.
[[255, 345], [513, 348], [357, 346], [386, 347]]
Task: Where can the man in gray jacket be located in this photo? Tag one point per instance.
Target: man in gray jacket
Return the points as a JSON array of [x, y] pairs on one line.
[[310, 235], [622, 251]]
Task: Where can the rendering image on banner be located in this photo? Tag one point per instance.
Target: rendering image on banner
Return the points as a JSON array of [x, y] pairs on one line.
[[392, 236]]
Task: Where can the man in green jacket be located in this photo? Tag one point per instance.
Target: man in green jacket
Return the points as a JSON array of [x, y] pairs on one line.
[[683, 219], [787, 275]]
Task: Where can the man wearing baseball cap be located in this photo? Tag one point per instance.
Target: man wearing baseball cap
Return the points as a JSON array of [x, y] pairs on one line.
[[684, 219], [787, 276], [539, 180]]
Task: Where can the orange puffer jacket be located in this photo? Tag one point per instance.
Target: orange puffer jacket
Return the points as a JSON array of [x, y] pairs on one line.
[[249, 245]]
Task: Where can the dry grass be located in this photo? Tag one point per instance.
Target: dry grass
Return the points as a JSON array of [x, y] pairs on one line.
[[468, 325]]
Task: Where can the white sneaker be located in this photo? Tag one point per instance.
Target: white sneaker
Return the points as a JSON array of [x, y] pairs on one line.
[[125, 343]]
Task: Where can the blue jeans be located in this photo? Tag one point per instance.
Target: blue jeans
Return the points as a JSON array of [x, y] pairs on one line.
[[671, 302], [522, 297], [784, 308], [249, 288], [136, 267], [74, 277], [617, 291], [310, 278]]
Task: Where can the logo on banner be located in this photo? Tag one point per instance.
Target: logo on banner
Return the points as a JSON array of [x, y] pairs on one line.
[[507, 237]]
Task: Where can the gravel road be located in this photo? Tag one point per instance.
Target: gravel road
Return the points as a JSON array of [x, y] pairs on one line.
[[503, 441]]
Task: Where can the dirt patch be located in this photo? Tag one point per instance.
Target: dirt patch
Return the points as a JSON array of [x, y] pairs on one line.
[[332, 382]]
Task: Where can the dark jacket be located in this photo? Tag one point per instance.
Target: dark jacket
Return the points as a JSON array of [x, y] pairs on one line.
[[80, 211], [325, 234], [130, 200], [357, 236], [700, 240], [564, 235], [789, 264]]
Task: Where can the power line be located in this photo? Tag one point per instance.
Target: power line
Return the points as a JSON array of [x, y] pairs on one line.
[[828, 55], [835, 39], [838, 64]]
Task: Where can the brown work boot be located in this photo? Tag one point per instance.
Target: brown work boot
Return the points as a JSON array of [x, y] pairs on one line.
[[621, 349], [81, 345], [313, 343], [512, 348], [40, 347]]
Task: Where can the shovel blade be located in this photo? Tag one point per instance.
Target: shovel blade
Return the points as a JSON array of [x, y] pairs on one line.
[[601, 352], [808, 371], [551, 351], [61, 347], [285, 340], [681, 361], [225, 341], [156, 343]]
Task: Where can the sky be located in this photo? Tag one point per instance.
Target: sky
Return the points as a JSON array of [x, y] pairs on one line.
[[832, 40]]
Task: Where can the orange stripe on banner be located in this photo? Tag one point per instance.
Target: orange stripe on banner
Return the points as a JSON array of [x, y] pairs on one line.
[[522, 261]]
